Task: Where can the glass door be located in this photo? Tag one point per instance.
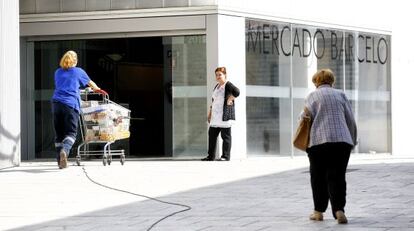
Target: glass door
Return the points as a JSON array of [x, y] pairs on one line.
[[188, 69]]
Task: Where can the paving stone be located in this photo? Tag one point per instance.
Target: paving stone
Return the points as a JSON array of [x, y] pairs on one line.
[[253, 194]]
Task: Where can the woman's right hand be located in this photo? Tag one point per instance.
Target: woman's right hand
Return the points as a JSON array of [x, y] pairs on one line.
[[100, 91], [209, 116]]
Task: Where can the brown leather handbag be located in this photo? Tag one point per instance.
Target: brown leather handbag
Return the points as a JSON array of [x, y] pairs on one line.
[[301, 139]]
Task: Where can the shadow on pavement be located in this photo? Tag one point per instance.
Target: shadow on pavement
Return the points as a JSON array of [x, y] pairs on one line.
[[380, 197]]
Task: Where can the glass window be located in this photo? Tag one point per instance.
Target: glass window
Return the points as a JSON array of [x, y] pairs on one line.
[[47, 56], [280, 62], [308, 48], [160, 79], [373, 103], [188, 69], [268, 72]]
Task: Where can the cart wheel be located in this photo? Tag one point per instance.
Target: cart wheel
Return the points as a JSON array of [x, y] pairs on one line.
[[122, 159], [104, 160], [78, 160]]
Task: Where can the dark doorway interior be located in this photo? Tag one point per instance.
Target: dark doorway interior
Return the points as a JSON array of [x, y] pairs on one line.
[[131, 71]]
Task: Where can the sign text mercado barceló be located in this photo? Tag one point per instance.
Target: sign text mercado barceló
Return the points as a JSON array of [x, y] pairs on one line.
[[268, 39]]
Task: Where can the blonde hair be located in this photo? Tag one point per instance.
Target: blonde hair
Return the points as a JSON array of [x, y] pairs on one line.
[[323, 76], [68, 60]]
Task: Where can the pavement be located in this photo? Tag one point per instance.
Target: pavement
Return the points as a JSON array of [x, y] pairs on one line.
[[263, 193]]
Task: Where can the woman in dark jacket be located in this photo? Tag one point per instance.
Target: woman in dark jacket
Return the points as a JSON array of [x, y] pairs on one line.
[[221, 115]]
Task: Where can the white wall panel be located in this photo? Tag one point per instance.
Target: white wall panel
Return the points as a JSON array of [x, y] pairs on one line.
[[370, 14], [9, 84], [226, 47], [402, 80]]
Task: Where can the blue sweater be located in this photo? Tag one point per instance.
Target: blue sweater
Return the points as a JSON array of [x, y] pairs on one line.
[[67, 84]]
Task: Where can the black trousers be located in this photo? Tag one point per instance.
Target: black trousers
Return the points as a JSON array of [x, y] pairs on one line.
[[328, 163], [65, 121], [213, 133]]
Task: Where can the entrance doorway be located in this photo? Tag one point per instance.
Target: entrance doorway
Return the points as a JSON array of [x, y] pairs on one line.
[[157, 78], [131, 71]]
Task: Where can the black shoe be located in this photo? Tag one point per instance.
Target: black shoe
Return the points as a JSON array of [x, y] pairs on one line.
[[223, 159], [207, 159]]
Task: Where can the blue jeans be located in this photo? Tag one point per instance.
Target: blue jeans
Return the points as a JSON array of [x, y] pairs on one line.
[[65, 120]]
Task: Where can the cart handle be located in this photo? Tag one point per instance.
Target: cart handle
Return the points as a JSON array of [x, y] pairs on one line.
[[101, 92]]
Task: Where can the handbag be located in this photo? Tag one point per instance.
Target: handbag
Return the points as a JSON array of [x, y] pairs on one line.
[[229, 113], [301, 139]]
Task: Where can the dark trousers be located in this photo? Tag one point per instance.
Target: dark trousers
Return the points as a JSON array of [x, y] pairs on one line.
[[65, 121], [213, 133], [328, 163]]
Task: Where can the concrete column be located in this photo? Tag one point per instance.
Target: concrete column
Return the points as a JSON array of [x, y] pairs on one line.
[[9, 84], [226, 47]]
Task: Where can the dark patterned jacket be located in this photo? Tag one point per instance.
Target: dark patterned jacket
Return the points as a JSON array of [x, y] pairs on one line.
[[229, 110]]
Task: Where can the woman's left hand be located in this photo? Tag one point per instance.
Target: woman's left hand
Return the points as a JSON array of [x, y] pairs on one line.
[[230, 100]]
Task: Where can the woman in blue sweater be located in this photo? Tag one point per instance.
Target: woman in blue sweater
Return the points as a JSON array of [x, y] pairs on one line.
[[66, 104]]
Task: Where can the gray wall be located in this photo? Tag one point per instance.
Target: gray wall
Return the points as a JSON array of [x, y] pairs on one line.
[[9, 84], [55, 6]]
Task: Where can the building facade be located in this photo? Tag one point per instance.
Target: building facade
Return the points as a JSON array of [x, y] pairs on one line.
[[10, 131], [158, 59]]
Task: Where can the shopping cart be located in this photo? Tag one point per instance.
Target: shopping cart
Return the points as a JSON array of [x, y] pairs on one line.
[[102, 123]]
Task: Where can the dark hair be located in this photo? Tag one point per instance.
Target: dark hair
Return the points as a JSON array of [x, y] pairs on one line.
[[221, 69]]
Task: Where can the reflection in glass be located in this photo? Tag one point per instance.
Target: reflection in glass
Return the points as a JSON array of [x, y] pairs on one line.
[[280, 62], [188, 69], [374, 93], [268, 79]]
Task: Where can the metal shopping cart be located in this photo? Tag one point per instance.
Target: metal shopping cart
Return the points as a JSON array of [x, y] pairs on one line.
[[102, 123]]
